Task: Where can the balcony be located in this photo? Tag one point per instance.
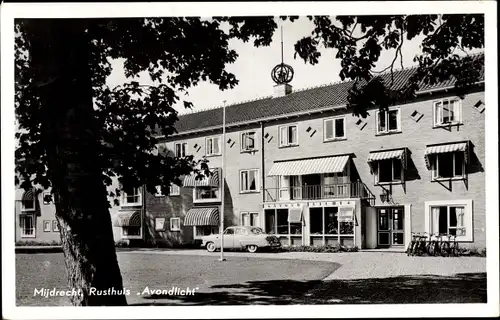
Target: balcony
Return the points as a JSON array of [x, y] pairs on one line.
[[319, 192]]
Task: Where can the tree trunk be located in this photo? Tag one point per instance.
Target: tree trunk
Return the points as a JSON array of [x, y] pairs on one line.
[[60, 54]]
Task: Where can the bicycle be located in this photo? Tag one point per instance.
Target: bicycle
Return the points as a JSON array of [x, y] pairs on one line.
[[433, 247], [454, 247], [445, 245], [411, 247], [421, 247]]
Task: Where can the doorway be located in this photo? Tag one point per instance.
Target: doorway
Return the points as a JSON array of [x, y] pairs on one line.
[[390, 227]]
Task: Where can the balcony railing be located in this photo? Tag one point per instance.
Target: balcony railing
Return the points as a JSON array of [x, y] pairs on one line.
[[319, 192]]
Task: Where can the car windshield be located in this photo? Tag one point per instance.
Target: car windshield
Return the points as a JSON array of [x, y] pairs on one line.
[[256, 231]]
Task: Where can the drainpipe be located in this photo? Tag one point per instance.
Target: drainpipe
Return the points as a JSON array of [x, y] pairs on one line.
[[262, 173]]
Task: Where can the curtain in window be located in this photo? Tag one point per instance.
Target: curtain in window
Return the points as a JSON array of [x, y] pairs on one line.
[[245, 219], [283, 136], [255, 219], [438, 113], [293, 134], [435, 220], [329, 129]]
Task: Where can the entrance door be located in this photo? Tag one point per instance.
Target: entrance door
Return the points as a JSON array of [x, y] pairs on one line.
[[390, 227], [311, 185]]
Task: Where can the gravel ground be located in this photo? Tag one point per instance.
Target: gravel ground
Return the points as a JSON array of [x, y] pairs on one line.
[[273, 278], [235, 281], [362, 265]]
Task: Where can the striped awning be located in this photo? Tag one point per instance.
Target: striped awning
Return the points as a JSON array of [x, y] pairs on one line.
[[445, 148], [202, 217], [28, 195], [212, 181], [399, 154], [128, 219], [309, 166]]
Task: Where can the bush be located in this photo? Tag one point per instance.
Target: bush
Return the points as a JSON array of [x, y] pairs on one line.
[[37, 243], [320, 249]]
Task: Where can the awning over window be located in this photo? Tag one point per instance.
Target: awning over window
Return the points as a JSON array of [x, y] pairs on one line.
[[309, 166], [346, 214], [212, 181], [445, 148], [202, 217], [295, 215], [399, 154], [128, 219], [28, 195]]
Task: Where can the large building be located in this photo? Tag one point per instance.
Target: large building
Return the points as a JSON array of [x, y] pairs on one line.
[[298, 164]]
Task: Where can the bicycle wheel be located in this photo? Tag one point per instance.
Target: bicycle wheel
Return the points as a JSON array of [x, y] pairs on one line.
[[445, 249]]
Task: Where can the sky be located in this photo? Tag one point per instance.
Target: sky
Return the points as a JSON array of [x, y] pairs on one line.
[[253, 69]]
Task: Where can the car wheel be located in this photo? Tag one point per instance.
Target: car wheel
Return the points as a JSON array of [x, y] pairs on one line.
[[252, 248], [210, 247]]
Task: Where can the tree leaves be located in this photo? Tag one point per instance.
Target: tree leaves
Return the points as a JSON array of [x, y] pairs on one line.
[[179, 52]]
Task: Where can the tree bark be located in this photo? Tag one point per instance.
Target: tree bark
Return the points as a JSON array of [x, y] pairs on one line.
[[60, 54]]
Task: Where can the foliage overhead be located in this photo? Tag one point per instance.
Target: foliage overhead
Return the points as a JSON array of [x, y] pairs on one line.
[[179, 52]]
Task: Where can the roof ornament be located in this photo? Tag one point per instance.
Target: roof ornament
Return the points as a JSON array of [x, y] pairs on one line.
[[282, 73]]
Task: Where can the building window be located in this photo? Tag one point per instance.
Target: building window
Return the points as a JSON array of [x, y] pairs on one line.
[[175, 224], [27, 225], [276, 221], [180, 149], [47, 198], [131, 197], [55, 226], [334, 129], [450, 165], [388, 121], [28, 205], [248, 141], [159, 192], [204, 194], [250, 219], [131, 231], [450, 217], [46, 226], [288, 136], [389, 171], [447, 112], [200, 231], [159, 224], [213, 146], [175, 190], [249, 180]]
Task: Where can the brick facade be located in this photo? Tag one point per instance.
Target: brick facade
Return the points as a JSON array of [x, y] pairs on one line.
[[414, 135]]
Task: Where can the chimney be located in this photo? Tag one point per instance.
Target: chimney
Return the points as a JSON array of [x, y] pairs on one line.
[[281, 90]]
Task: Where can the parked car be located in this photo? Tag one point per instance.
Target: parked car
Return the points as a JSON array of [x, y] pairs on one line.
[[246, 238]]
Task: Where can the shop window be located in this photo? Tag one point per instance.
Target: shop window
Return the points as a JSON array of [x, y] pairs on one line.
[[201, 231]]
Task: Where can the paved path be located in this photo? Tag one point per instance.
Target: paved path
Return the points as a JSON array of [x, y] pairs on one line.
[[362, 265]]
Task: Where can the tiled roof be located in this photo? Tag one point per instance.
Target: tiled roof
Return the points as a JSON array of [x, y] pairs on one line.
[[331, 95]]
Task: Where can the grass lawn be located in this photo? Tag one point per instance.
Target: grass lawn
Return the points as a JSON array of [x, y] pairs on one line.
[[217, 282]]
